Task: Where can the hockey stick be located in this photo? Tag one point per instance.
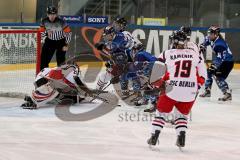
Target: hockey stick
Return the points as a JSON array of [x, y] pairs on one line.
[[105, 54], [101, 91], [77, 90], [141, 89]]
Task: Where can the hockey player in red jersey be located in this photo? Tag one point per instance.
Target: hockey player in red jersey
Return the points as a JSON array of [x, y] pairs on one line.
[[184, 74]]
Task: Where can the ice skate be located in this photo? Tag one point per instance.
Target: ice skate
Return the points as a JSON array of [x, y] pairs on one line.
[[206, 93], [151, 109], [181, 139], [226, 97], [28, 99], [153, 140], [137, 97], [29, 105], [141, 101], [125, 94]]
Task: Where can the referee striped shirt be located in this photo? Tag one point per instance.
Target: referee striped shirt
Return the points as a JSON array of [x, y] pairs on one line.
[[55, 30]]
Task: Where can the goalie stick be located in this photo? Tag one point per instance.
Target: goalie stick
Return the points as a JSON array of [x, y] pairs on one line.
[[102, 91], [78, 90]]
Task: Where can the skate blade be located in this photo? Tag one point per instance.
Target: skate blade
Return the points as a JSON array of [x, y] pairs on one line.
[[228, 100], [204, 97], [153, 148], [224, 102], [180, 149]]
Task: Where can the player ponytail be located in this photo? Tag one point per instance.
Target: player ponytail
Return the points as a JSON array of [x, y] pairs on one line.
[[221, 36]]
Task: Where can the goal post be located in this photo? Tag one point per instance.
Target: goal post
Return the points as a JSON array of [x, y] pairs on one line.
[[20, 51]]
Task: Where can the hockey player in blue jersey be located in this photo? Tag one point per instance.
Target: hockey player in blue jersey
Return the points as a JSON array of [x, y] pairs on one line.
[[222, 63], [117, 45], [119, 25], [141, 68]]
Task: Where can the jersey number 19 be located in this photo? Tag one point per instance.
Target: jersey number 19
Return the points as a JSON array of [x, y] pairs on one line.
[[183, 68]]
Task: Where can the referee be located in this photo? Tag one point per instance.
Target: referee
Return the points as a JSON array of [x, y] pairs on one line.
[[56, 36]]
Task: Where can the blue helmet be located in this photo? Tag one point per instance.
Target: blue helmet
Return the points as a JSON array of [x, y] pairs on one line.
[[119, 24], [121, 20], [108, 30]]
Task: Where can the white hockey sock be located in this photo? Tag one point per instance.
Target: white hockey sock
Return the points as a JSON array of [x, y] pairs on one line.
[[158, 123], [180, 125]]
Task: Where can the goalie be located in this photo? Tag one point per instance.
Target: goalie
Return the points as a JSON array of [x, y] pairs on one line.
[[57, 84]]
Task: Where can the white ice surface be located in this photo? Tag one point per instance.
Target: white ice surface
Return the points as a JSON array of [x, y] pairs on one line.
[[214, 133]]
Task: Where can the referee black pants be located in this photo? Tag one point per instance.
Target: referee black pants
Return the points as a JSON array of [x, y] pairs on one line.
[[49, 48]]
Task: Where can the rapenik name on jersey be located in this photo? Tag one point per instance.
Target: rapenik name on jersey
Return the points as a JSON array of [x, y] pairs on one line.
[[173, 57]]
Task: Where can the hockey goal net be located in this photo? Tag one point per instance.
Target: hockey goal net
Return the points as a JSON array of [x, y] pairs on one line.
[[19, 61]]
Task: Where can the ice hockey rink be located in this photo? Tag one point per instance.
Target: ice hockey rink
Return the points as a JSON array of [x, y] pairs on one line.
[[213, 134]]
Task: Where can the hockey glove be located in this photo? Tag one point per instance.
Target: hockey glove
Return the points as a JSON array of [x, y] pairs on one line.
[[202, 48], [115, 80], [200, 81], [212, 69], [109, 64]]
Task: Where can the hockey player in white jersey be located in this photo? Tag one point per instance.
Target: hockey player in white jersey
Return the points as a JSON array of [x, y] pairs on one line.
[[56, 84], [184, 74]]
